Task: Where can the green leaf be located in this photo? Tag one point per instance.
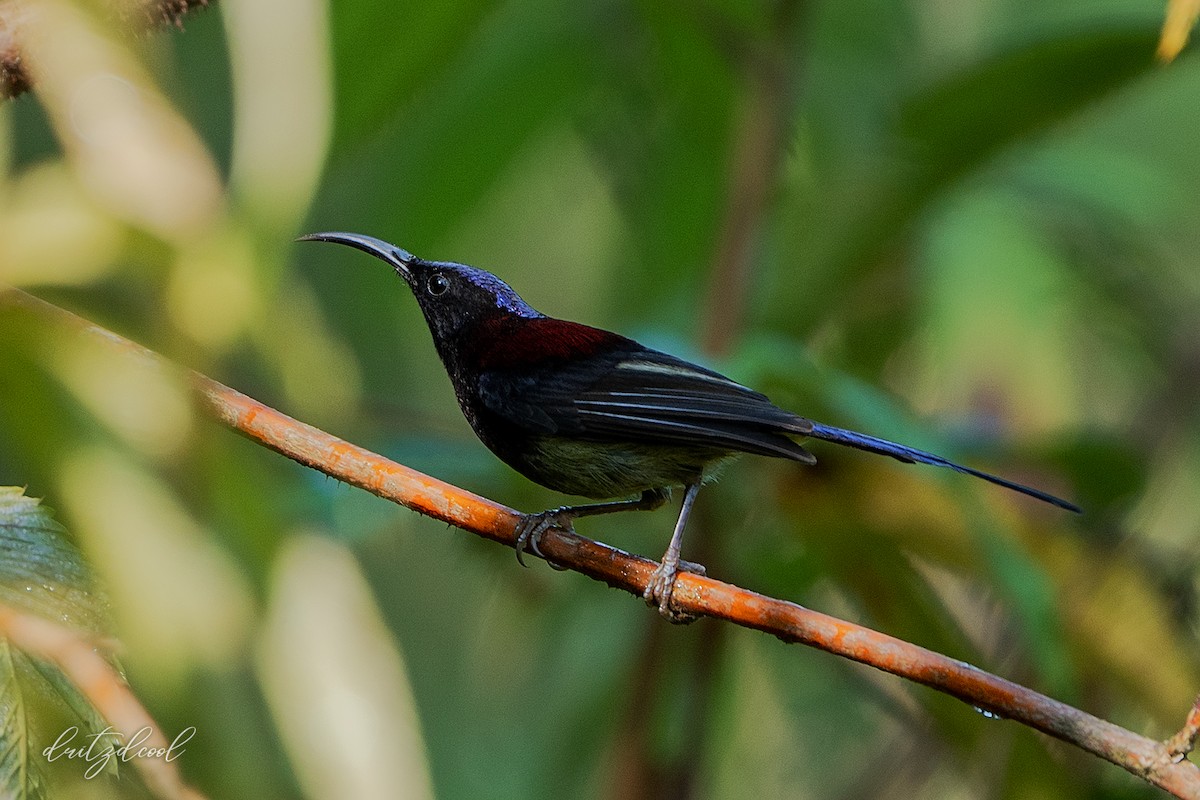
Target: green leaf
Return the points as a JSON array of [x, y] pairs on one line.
[[402, 61], [1018, 94], [42, 574], [77, 705], [41, 571], [944, 134], [19, 774]]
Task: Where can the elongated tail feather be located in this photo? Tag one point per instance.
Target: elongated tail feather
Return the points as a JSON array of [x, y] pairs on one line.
[[911, 455]]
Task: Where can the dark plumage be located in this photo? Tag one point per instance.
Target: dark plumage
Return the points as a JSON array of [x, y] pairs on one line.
[[592, 413]]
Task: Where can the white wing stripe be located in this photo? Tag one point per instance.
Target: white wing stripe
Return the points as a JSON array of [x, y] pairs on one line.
[[679, 370]]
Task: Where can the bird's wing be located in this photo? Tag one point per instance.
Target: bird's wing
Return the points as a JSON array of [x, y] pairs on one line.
[[640, 395]]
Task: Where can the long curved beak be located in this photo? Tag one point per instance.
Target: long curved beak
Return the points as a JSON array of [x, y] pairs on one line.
[[398, 257]]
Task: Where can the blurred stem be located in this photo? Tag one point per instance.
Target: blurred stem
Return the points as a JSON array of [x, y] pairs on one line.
[[694, 595], [769, 75], [756, 153], [634, 774], [638, 772]]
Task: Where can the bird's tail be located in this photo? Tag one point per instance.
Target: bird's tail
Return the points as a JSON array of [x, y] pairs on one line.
[[911, 455]]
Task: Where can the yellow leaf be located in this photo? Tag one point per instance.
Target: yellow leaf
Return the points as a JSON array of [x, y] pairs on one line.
[[1181, 18]]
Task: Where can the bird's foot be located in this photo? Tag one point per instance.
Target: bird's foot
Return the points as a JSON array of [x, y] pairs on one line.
[[532, 526], [662, 584]]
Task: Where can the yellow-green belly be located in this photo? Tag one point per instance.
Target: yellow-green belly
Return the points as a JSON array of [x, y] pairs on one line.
[[606, 469]]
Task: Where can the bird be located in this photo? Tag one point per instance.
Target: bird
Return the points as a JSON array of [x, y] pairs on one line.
[[588, 412]]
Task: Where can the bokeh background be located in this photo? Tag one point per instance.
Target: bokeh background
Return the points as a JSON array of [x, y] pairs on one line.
[[966, 226]]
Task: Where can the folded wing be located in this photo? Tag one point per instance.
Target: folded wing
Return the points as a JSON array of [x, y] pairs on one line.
[[642, 395]]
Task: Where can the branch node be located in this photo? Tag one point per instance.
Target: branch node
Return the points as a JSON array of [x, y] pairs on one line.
[[1184, 740]]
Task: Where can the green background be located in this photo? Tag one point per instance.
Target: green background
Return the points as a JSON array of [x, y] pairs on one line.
[[966, 226]]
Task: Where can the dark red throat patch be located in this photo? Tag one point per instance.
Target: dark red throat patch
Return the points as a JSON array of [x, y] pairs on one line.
[[504, 342]]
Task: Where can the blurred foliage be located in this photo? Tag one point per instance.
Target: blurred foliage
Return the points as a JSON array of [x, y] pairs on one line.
[[44, 575], [977, 235]]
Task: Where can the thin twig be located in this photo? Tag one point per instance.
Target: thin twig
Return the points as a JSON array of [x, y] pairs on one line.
[[694, 594], [78, 658]]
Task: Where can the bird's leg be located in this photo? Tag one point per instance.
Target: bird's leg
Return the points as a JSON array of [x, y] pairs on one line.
[[662, 582], [532, 526]]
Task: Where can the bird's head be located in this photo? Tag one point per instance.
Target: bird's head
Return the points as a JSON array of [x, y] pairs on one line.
[[451, 296]]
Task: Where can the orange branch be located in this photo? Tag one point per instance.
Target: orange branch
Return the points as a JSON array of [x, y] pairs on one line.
[[1156, 762]]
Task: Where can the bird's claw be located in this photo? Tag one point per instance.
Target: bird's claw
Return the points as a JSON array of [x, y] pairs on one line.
[[661, 586], [532, 526]]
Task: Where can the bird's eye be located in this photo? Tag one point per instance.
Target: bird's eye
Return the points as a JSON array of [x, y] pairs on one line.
[[438, 284]]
